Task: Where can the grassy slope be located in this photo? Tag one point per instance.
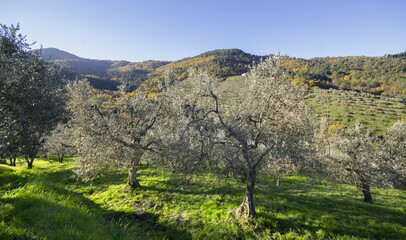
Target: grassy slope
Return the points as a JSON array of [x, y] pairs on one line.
[[342, 109], [47, 203]]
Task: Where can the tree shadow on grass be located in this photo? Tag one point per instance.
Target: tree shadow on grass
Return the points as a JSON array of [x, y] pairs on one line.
[[299, 208], [56, 213], [40, 205], [10, 180], [292, 206]]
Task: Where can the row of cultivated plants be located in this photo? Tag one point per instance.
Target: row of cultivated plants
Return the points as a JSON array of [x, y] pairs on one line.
[[193, 125]]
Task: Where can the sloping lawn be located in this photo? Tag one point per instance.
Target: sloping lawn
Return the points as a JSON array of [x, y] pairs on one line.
[[48, 202]]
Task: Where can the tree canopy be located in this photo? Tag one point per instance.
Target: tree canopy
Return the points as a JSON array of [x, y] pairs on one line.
[[31, 99]]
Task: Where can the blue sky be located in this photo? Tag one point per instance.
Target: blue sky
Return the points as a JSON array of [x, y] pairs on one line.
[[171, 30]]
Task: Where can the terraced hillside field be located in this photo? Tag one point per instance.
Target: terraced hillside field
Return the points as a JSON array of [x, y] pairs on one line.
[[343, 108]]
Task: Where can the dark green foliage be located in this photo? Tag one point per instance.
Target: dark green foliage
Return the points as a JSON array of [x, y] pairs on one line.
[[377, 75], [231, 62], [398, 55], [103, 83]]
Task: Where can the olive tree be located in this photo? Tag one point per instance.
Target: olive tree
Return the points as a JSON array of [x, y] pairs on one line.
[[58, 142], [31, 99], [260, 124], [356, 156], [395, 150], [109, 132]]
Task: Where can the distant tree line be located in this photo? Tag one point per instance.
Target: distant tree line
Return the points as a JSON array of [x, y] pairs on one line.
[[398, 55]]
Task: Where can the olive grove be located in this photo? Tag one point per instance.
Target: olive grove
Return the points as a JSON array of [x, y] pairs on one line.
[[191, 125]]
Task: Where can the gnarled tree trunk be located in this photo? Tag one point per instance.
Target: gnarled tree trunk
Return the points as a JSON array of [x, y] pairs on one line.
[[367, 194], [132, 182], [247, 207]]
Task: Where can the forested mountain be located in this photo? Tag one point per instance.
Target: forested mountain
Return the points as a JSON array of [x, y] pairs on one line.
[[74, 65], [57, 54], [220, 63], [384, 75]]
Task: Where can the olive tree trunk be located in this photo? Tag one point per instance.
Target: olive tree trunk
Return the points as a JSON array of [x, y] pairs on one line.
[[13, 161], [367, 193], [278, 177], [30, 161], [247, 207], [132, 182], [60, 157]]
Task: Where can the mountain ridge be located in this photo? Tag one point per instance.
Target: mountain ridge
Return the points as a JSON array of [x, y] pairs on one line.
[[385, 75], [57, 54], [221, 63]]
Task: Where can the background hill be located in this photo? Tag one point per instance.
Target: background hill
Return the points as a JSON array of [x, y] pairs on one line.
[[74, 65], [56, 54], [220, 63], [385, 76]]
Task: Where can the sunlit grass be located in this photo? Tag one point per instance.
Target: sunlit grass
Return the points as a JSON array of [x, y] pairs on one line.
[[375, 114], [48, 203]]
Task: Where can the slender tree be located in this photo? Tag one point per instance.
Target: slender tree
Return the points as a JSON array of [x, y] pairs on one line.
[[58, 142]]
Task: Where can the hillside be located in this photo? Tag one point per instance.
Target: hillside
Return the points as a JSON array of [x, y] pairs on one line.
[[385, 76], [74, 65], [56, 54], [220, 63], [343, 108]]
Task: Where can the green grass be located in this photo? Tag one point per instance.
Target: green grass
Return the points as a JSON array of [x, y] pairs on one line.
[[48, 203], [375, 114]]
